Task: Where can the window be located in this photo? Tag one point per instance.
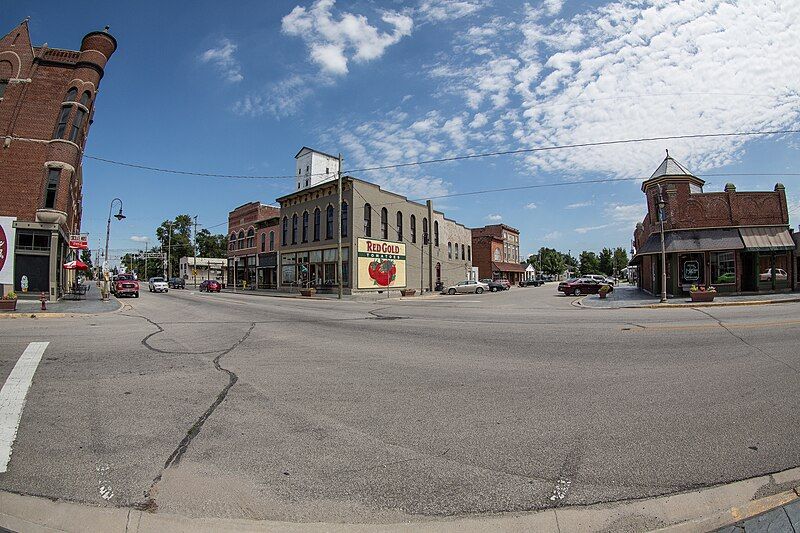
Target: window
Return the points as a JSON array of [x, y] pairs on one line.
[[469, 253], [316, 223], [3, 85], [463, 255], [436, 233], [232, 242], [240, 240], [367, 220], [61, 127], [449, 250], [384, 224], [294, 228], [285, 232], [413, 228], [271, 241], [399, 226], [344, 219], [305, 227], [723, 268], [425, 236], [51, 192], [497, 254], [329, 222], [263, 242], [85, 97], [251, 238]]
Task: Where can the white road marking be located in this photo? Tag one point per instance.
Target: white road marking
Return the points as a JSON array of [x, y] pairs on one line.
[[12, 398]]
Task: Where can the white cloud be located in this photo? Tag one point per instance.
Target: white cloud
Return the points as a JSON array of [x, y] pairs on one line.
[[333, 42], [222, 57], [578, 205], [478, 121], [494, 218], [551, 236], [552, 7], [531, 205], [440, 10], [587, 229], [279, 99], [627, 213], [140, 238]]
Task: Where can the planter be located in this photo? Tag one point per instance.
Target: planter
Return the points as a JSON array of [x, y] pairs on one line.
[[308, 292], [408, 292], [8, 305], [602, 295], [703, 296]]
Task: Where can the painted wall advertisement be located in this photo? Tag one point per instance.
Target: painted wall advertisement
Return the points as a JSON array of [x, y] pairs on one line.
[[7, 233], [381, 264]]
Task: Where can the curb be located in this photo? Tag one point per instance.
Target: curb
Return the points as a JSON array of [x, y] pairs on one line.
[[579, 303], [37, 314], [704, 509]]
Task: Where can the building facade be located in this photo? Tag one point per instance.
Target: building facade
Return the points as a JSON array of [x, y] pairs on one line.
[[315, 167], [496, 253], [252, 245], [416, 235], [194, 270], [735, 241], [47, 98]]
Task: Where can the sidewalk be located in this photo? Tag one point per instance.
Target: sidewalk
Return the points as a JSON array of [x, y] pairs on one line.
[[628, 296], [91, 304], [786, 518], [359, 297]]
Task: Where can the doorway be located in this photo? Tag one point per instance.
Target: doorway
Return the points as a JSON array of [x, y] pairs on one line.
[[749, 271]]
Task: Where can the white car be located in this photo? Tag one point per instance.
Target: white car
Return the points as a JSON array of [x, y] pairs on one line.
[[469, 285], [780, 275], [158, 285]]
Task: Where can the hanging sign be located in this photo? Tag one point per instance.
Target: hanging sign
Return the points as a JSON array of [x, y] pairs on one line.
[[79, 242], [381, 264], [7, 233]]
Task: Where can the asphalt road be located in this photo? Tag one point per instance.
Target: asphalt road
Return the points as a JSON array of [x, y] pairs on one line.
[[387, 411]]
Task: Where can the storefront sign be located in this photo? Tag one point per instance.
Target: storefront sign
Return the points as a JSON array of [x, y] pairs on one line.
[[381, 264], [7, 233], [79, 242], [691, 270]]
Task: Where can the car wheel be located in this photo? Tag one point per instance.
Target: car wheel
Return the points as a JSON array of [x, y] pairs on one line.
[[576, 292], [479, 290], [166, 290], [451, 292], [135, 294]]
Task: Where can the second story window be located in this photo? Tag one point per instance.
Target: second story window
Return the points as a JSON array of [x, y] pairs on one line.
[[3, 85], [232, 242], [61, 127], [469, 253], [384, 224], [436, 233], [344, 219], [51, 192], [316, 223], [77, 124], [400, 226], [294, 228], [263, 242], [413, 222], [367, 220], [251, 238], [285, 232], [240, 243], [449, 250], [329, 222], [425, 236], [271, 241], [305, 226]]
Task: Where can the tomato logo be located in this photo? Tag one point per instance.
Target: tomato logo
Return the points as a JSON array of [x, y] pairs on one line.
[[3, 248], [383, 273]]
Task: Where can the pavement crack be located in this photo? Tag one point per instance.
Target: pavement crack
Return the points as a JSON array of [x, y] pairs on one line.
[[743, 341], [159, 329]]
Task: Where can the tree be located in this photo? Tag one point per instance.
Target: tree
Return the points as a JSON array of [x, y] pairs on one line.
[[180, 241], [620, 258], [590, 264], [86, 257], [209, 245], [607, 261], [548, 261]]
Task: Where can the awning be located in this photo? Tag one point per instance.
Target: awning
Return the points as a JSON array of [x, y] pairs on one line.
[[507, 267], [698, 240], [767, 239]]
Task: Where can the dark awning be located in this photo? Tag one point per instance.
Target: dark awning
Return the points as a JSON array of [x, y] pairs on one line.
[[697, 240], [507, 267], [767, 239]]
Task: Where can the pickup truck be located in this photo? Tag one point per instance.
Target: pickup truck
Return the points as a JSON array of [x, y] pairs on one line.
[[126, 285]]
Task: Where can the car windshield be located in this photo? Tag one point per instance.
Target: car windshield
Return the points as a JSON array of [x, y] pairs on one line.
[[157, 280]]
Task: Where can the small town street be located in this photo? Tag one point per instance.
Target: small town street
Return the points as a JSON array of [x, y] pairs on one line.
[[243, 406]]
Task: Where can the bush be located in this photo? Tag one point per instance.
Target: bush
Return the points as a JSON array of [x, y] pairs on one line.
[[10, 296]]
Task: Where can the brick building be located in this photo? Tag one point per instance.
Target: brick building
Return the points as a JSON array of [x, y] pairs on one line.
[[735, 241], [47, 98], [253, 245], [495, 251]]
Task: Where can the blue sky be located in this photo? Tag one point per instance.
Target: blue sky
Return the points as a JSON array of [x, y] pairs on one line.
[[239, 88]]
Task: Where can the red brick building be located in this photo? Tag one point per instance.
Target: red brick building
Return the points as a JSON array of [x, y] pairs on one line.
[[253, 245], [47, 100], [735, 241], [495, 251]]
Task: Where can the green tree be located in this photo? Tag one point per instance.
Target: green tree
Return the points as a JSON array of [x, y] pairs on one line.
[[590, 264], [548, 261], [607, 261], [86, 257], [620, 258], [180, 242], [209, 245]]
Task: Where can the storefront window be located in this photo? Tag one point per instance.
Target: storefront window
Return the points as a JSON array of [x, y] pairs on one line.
[[330, 254], [287, 277], [723, 267], [315, 256]]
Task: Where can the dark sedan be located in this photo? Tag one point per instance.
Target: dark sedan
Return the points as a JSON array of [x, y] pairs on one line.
[[564, 283], [583, 286], [494, 285], [210, 285], [176, 283]]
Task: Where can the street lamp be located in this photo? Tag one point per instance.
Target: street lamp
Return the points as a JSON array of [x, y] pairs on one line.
[[118, 216], [661, 216]]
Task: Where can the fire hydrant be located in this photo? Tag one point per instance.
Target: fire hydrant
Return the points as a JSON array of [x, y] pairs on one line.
[[43, 299]]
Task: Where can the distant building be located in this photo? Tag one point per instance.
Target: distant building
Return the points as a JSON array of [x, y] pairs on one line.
[[253, 245], [203, 268], [735, 241], [496, 252], [47, 100], [315, 167]]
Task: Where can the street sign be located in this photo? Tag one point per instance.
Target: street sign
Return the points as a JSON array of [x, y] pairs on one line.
[[79, 241]]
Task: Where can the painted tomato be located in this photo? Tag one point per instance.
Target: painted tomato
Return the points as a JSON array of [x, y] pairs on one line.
[[383, 273]]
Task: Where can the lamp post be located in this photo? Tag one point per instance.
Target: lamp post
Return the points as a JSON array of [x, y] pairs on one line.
[[661, 216], [118, 216]]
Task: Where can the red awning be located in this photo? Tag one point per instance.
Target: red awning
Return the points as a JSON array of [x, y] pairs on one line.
[[507, 267], [76, 265]]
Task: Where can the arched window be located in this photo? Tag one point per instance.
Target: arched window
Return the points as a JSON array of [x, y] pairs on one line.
[[240, 240], [413, 223], [294, 228], [400, 226], [344, 219], [61, 127], [77, 124], [463, 255], [329, 222], [271, 241], [51, 190], [425, 236], [384, 224], [469, 253], [305, 226], [436, 233], [263, 242], [232, 242], [438, 272], [285, 232], [85, 97], [71, 94], [316, 223], [367, 220], [251, 238], [449, 250]]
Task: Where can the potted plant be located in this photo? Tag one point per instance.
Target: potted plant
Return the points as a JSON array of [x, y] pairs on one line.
[[603, 291], [9, 302], [408, 292], [702, 293]]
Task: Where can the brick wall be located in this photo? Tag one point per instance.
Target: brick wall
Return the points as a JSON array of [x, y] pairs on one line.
[[246, 217]]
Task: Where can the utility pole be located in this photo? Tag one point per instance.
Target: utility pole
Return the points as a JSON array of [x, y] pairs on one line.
[[194, 266], [339, 233], [661, 216], [145, 260], [430, 246], [169, 252]]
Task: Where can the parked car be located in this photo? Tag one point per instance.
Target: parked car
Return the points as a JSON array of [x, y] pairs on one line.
[[176, 283], [529, 283], [780, 275], [210, 285], [494, 286], [598, 277], [467, 286], [564, 283], [505, 283], [125, 285], [158, 285], [728, 277], [584, 286]]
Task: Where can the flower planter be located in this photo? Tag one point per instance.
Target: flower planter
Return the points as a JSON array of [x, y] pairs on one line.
[[703, 296], [408, 292], [8, 305], [602, 295], [308, 292]]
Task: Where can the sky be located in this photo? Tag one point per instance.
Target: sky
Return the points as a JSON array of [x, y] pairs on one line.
[[240, 88]]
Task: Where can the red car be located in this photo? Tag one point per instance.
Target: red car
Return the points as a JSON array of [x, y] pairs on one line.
[[210, 285], [125, 285], [582, 286]]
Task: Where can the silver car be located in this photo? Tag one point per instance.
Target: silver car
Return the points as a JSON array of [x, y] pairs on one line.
[[158, 285], [466, 286]]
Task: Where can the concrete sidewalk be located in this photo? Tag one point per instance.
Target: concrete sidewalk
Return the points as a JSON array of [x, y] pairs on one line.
[[90, 305], [628, 296]]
